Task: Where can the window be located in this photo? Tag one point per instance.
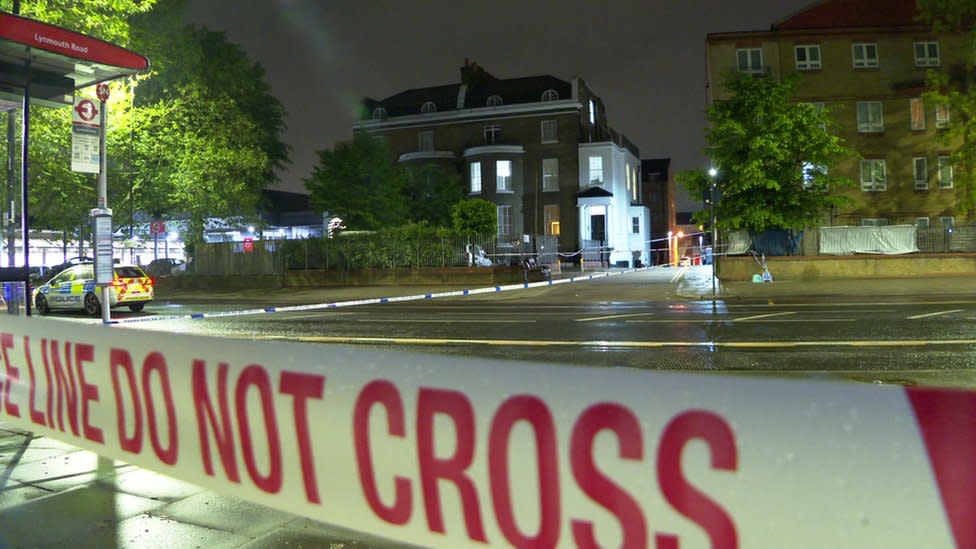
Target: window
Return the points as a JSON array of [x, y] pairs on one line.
[[874, 221], [920, 167], [426, 140], [550, 216], [922, 223], [942, 116], [749, 60], [873, 175], [821, 110], [550, 95], [592, 113], [475, 177], [428, 106], [865, 55], [379, 113], [635, 225], [945, 172], [807, 57], [596, 170], [947, 222], [503, 175], [494, 101], [504, 221], [869, 116], [926, 54], [550, 174], [549, 128], [917, 108], [492, 134], [810, 172]]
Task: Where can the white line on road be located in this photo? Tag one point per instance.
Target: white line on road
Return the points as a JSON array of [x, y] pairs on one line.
[[444, 321], [756, 317], [717, 320], [937, 313], [623, 344], [680, 273], [611, 316]]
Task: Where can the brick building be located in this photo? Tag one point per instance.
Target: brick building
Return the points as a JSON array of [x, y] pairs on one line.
[[539, 148], [866, 62]]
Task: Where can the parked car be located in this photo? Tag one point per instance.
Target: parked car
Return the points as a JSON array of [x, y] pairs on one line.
[[71, 262], [165, 267], [74, 288]]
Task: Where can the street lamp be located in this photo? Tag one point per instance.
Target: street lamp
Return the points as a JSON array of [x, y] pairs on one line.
[[712, 172]]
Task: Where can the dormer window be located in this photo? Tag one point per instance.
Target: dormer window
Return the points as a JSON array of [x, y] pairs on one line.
[[428, 107], [494, 101], [550, 95], [379, 113]]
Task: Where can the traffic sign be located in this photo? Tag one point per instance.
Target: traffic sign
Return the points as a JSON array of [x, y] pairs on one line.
[[248, 244], [157, 227], [85, 112], [101, 91]]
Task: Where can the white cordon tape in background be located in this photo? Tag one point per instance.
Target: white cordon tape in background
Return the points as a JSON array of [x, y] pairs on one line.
[[451, 452], [377, 300]]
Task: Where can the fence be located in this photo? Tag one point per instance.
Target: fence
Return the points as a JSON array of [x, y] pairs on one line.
[[959, 239], [391, 249]]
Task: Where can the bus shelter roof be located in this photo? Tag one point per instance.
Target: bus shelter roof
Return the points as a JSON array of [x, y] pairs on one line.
[[55, 61]]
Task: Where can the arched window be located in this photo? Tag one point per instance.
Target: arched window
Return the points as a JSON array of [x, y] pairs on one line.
[[550, 95], [494, 101], [429, 106], [379, 113]]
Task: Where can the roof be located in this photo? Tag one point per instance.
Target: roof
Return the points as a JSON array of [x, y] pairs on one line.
[[478, 85], [61, 60], [594, 192], [852, 14], [655, 168]]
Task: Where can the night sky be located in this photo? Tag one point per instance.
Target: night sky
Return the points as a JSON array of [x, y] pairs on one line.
[[645, 58]]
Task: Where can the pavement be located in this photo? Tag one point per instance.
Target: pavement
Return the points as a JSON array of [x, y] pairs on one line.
[[55, 495]]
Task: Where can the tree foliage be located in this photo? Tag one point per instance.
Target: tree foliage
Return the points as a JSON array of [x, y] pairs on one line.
[[957, 91], [431, 192], [199, 135], [774, 158], [358, 182], [475, 216]]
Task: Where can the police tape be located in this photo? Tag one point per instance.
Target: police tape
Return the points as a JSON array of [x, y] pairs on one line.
[[451, 452], [376, 300]]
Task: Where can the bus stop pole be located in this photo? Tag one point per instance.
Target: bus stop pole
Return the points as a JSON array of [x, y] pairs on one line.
[[103, 205]]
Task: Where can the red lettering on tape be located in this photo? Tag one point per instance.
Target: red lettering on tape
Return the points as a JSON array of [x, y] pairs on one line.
[[947, 420], [304, 387], [255, 376], [64, 380], [384, 393], [207, 417], [120, 360], [156, 363], [12, 376], [85, 353], [595, 484], [36, 416], [535, 412], [454, 405], [685, 498]]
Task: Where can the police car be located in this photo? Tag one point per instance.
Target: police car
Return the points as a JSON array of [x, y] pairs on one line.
[[74, 288]]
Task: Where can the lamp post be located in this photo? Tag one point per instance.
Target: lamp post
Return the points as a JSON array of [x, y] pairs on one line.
[[712, 172]]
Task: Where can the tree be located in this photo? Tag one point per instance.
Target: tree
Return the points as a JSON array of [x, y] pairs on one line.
[[199, 135], [431, 192], [775, 157], [358, 182], [475, 217], [956, 90]]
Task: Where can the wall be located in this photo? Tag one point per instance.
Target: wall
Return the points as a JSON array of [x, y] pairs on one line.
[[742, 268]]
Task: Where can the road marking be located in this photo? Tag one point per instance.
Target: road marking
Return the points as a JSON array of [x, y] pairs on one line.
[[677, 276], [446, 321], [611, 316], [937, 313], [756, 317], [720, 320], [620, 344]]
